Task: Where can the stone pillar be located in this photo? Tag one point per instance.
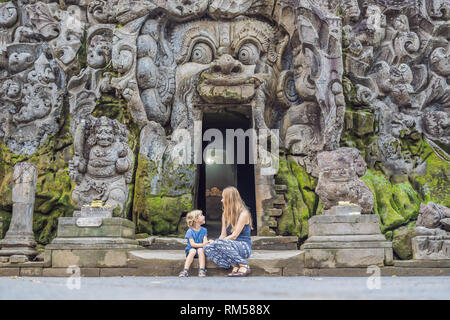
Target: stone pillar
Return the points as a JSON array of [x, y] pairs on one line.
[[19, 240]]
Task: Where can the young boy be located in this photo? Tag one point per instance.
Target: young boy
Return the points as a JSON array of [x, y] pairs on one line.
[[196, 239]]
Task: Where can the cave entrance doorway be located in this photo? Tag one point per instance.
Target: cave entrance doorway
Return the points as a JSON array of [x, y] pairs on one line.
[[214, 177]]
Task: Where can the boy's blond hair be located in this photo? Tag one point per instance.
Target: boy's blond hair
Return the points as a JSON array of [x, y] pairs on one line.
[[192, 216]]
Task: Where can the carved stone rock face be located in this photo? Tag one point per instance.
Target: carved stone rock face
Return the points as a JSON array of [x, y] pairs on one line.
[[339, 173], [230, 60], [228, 65]]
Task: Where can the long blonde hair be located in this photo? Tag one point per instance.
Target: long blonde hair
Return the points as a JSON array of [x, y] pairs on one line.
[[233, 205]]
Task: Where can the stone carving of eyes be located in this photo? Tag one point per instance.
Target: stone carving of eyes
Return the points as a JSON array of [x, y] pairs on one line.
[[248, 53], [202, 53]]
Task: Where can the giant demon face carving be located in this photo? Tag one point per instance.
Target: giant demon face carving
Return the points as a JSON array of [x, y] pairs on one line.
[[234, 58]]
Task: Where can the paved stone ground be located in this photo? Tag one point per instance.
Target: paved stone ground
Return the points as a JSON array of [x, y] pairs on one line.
[[220, 288]]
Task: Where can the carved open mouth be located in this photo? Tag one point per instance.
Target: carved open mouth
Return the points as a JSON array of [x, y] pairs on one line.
[[224, 80], [235, 88]]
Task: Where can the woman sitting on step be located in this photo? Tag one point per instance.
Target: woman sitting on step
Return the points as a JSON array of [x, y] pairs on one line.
[[234, 244]]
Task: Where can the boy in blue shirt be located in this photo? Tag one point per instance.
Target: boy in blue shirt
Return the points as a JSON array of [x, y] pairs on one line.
[[196, 239]]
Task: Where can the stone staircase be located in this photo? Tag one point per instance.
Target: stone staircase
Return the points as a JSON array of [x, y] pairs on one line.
[[278, 203]]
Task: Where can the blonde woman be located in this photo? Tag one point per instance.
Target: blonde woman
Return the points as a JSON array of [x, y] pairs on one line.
[[196, 240], [234, 244]]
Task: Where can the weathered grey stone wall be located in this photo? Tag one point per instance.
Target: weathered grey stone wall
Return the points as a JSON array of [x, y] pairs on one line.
[[371, 75]]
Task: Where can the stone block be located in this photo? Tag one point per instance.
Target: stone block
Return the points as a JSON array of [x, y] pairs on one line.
[[146, 242], [343, 210], [110, 227], [9, 272], [342, 258], [31, 272], [355, 228], [4, 259], [18, 259], [274, 243], [99, 258], [422, 263], [430, 247], [118, 272], [66, 272]]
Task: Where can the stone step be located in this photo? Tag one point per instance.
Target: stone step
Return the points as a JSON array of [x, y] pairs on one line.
[[280, 188], [275, 212], [171, 262], [279, 200], [258, 243]]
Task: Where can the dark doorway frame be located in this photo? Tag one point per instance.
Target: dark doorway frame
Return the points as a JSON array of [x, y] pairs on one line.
[[245, 172]]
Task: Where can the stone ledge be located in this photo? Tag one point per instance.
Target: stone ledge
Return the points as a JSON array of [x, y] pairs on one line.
[[170, 262], [92, 243], [346, 245], [347, 238], [384, 272], [258, 243], [422, 263], [30, 264], [356, 218]]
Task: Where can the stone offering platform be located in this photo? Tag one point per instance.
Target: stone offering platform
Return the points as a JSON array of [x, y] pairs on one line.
[[346, 241]]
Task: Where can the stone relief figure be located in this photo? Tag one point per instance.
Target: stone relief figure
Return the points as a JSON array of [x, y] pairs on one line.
[[62, 29], [155, 71], [92, 81], [399, 42], [438, 9], [8, 18], [432, 233], [339, 179], [31, 99], [102, 163], [315, 124]]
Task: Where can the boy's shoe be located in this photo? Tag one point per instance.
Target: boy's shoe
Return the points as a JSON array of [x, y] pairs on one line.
[[184, 273], [202, 272]]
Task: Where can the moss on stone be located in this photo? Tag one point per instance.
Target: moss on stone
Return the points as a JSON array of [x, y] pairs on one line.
[[301, 200], [434, 184], [54, 186], [401, 242], [157, 214], [384, 204]]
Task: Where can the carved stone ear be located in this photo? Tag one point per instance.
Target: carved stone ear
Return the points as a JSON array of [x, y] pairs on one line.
[[286, 92]]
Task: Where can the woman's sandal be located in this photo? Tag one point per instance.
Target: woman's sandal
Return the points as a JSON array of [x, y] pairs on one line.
[[242, 274], [232, 274], [184, 273], [202, 272]]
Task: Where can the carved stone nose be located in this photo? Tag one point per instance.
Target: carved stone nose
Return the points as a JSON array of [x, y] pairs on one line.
[[226, 64]]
